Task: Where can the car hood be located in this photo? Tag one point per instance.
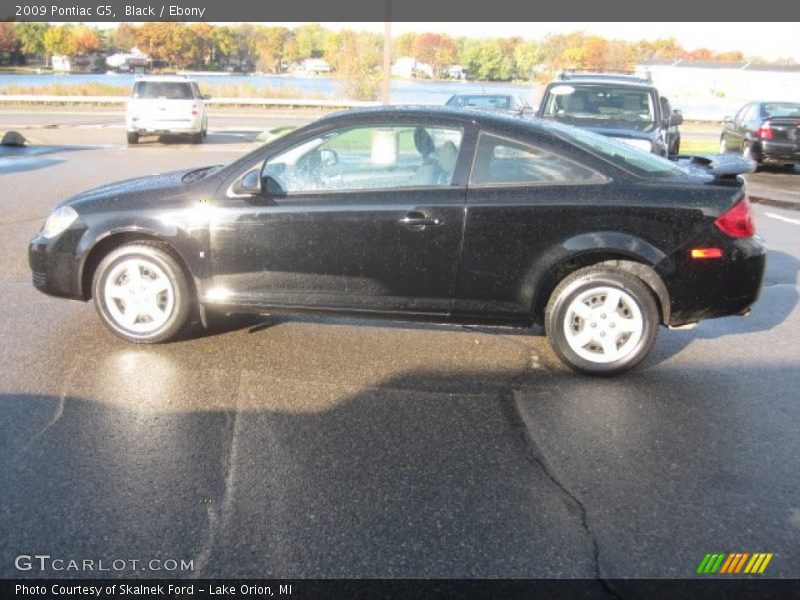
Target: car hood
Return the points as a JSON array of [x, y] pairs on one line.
[[624, 132], [153, 189]]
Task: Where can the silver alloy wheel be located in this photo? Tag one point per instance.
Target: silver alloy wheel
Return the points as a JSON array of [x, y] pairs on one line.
[[139, 296], [603, 324]]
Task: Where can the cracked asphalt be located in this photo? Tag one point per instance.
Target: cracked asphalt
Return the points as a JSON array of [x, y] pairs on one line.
[[341, 448]]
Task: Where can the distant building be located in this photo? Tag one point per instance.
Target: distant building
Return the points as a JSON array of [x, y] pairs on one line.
[[315, 66], [128, 61], [408, 67], [61, 63], [713, 90]]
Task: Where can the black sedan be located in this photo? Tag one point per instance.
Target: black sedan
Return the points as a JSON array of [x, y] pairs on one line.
[[508, 103], [420, 213], [766, 132]]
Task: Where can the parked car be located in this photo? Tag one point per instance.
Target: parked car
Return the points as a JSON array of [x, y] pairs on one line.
[[161, 105], [510, 103], [766, 132], [624, 107], [420, 213]]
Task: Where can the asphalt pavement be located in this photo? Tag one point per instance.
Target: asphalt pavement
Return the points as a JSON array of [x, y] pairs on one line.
[[306, 447]]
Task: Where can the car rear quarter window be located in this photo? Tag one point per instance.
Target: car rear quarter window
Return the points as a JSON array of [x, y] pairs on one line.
[[168, 90], [501, 161]]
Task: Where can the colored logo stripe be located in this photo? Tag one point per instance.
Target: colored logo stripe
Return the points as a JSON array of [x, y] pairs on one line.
[[734, 563]]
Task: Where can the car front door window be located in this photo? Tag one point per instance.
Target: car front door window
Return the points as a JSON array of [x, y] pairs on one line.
[[366, 158]]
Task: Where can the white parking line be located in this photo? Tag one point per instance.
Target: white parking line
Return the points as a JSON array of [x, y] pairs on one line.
[[773, 215]]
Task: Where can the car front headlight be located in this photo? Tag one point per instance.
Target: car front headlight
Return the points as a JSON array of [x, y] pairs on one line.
[[58, 221], [636, 143]]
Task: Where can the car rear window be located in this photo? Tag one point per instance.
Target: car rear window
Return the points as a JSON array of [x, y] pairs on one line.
[[622, 155], [503, 102], [781, 109], [170, 90]]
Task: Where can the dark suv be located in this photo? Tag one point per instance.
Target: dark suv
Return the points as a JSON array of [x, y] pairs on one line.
[[625, 107]]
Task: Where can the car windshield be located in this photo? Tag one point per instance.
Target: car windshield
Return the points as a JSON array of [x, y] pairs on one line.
[[601, 105], [781, 109], [482, 101], [639, 162], [171, 90]]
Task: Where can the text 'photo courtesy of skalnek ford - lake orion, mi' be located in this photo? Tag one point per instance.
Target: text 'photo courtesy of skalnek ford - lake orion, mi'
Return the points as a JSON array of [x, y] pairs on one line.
[[426, 309]]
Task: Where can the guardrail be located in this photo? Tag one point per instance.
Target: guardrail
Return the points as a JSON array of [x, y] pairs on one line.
[[294, 102]]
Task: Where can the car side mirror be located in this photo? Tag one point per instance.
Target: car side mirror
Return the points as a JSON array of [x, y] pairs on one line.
[[676, 118], [206, 97], [248, 184], [728, 119]]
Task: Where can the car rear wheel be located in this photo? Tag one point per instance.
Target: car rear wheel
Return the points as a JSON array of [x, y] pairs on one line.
[[142, 293], [197, 138], [133, 138], [602, 321]]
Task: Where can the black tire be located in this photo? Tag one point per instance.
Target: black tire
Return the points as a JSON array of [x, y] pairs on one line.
[[197, 138], [597, 279], [133, 138], [150, 258]]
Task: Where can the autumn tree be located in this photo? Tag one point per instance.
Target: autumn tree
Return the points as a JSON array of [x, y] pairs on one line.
[[436, 50], [60, 41], [526, 56], [205, 43], [123, 38], [86, 39], [8, 38], [404, 44], [224, 42], [356, 57], [269, 46]]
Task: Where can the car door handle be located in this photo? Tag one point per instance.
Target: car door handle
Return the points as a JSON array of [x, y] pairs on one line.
[[418, 220]]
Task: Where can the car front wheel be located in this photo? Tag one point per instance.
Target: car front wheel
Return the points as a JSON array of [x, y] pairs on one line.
[[602, 321], [142, 293]]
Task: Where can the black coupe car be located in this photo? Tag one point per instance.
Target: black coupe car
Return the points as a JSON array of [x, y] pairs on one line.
[[765, 132], [421, 213]]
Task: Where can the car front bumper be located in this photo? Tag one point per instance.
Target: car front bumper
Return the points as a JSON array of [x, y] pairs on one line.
[[55, 264]]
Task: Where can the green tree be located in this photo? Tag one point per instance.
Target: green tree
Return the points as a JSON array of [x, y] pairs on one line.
[[225, 42], [31, 37], [310, 40], [526, 56], [486, 60]]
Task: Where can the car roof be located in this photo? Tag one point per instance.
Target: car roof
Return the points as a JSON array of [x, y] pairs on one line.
[[601, 81], [465, 114], [164, 78]]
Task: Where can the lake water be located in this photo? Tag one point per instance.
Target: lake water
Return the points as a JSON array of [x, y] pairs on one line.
[[402, 92]]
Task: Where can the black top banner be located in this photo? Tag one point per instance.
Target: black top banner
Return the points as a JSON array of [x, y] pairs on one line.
[[393, 10]]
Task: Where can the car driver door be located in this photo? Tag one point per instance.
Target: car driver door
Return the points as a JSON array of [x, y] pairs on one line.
[[359, 218]]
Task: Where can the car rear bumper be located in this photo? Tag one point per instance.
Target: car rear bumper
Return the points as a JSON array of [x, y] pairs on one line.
[[709, 288], [166, 127], [780, 151]]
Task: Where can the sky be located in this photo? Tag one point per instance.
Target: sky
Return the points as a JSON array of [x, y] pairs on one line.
[[770, 40]]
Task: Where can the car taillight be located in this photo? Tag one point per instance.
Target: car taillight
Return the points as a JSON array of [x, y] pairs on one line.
[[194, 110], [765, 131], [738, 220]]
